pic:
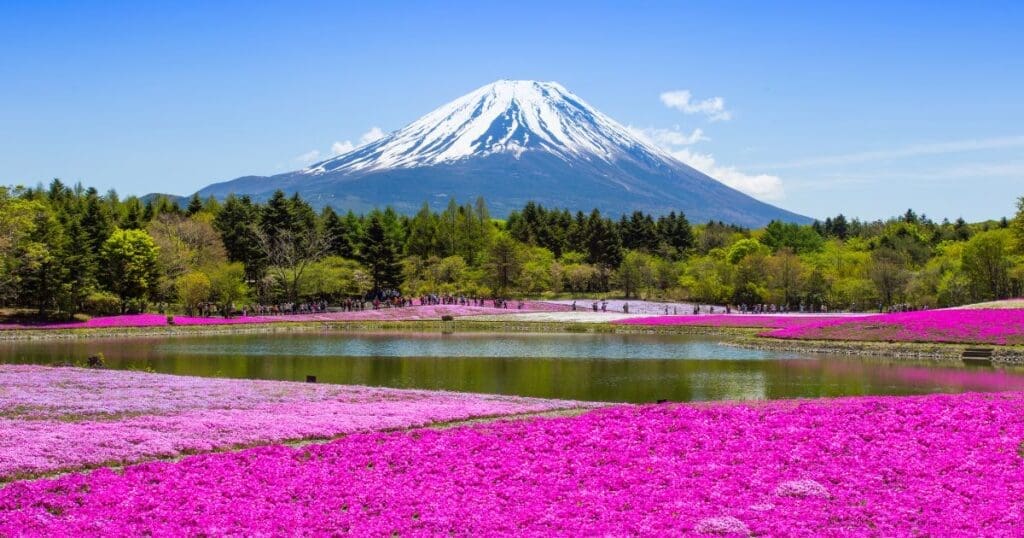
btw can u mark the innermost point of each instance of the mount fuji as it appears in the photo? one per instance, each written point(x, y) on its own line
point(512, 142)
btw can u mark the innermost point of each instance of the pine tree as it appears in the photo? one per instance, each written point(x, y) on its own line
point(380, 255)
point(195, 205)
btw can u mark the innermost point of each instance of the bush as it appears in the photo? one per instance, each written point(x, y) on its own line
point(170, 319)
point(96, 361)
point(101, 303)
point(447, 317)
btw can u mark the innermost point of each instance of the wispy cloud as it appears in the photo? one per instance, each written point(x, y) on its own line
point(760, 186)
point(668, 137)
point(308, 158)
point(915, 150)
point(682, 100)
point(344, 146)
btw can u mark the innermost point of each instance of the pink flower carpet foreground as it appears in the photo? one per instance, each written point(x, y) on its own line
point(409, 313)
point(733, 320)
point(67, 418)
point(968, 326)
point(941, 465)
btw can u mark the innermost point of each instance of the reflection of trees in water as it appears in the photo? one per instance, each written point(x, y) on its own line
point(750, 385)
point(384, 361)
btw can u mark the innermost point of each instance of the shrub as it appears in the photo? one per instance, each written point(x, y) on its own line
point(96, 361)
point(101, 304)
point(447, 317)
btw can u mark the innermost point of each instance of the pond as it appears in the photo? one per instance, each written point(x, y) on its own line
point(604, 367)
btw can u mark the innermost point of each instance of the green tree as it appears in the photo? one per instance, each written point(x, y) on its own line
point(635, 273)
point(194, 288)
point(986, 265)
point(380, 255)
point(889, 273)
point(227, 286)
point(41, 271)
point(129, 266)
point(237, 223)
point(423, 238)
point(503, 264)
point(1017, 225)
point(195, 205)
point(336, 278)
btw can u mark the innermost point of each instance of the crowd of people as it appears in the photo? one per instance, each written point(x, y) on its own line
point(281, 309)
point(462, 300)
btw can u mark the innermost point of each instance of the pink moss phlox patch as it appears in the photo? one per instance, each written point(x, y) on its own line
point(729, 320)
point(411, 313)
point(68, 418)
point(939, 465)
point(969, 326)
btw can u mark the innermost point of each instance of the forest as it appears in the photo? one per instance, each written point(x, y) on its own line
point(66, 250)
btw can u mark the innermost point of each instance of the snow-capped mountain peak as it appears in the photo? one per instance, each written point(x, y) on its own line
point(512, 142)
point(507, 116)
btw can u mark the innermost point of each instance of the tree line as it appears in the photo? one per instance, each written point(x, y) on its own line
point(69, 249)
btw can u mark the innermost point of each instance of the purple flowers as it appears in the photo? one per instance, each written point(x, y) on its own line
point(936, 465)
point(999, 327)
point(67, 418)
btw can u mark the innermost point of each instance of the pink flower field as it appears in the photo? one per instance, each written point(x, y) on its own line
point(732, 320)
point(940, 465)
point(967, 326)
point(412, 313)
point(68, 418)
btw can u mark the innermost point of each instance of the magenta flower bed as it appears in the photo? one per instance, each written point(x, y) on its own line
point(428, 312)
point(68, 418)
point(730, 320)
point(941, 465)
point(999, 327)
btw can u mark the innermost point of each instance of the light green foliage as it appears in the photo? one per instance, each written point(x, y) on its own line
point(1017, 225)
point(228, 289)
point(335, 278)
point(986, 264)
point(129, 266)
point(194, 288)
point(504, 264)
point(636, 273)
point(746, 247)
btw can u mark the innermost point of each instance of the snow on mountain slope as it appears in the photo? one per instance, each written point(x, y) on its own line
point(511, 142)
point(507, 116)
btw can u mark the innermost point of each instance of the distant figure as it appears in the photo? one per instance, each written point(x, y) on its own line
point(574, 306)
point(625, 308)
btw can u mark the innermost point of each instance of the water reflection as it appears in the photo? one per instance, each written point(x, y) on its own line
point(630, 368)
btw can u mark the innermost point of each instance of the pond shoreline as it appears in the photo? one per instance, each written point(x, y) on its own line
point(458, 325)
point(741, 337)
point(944, 352)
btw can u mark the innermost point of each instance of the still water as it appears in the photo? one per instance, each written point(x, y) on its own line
point(607, 367)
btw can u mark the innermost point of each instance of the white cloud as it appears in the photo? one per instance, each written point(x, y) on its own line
point(308, 158)
point(338, 148)
point(374, 134)
point(916, 150)
point(676, 143)
point(667, 138)
point(344, 146)
point(682, 100)
point(760, 186)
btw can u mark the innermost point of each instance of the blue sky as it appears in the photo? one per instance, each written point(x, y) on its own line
point(864, 108)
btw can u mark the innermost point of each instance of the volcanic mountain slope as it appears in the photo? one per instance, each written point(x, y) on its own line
point(513, 142)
